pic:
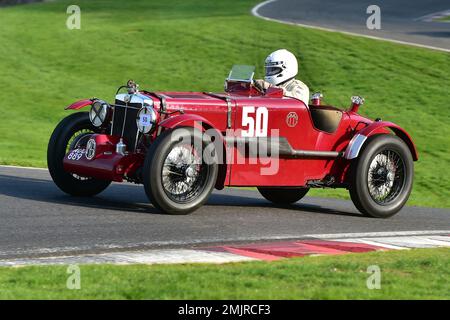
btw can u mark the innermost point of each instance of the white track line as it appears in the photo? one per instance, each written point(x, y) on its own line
point(435, 15)
point(170, 256)
point(374, 243)
point(136, 246)
point(409, 242)
point(27, 168)
point(392, 241)
point(260, 5)
point(378, 234)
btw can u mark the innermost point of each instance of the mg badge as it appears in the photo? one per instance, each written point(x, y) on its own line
point(127, 98)
point(292, 119)
point(90, 149)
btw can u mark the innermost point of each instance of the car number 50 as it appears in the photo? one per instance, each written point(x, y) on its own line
point(255, 121)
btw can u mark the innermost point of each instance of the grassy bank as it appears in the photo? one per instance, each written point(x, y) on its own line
point(190, 45)
point(415, 274)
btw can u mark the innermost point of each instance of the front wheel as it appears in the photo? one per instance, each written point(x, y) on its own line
point(71, 133)
point(382, 176)
point(180, 171)
point(283, 195)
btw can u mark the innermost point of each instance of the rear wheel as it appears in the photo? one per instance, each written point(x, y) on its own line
point(71, 133)
point(180, 171)
point(283, 195)
point(382, 176)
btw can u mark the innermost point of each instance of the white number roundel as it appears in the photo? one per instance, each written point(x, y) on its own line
point(256, 122)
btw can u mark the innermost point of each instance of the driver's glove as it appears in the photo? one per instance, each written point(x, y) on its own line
point(261, 84)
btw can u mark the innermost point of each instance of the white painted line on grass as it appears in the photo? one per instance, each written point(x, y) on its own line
point(259, 6)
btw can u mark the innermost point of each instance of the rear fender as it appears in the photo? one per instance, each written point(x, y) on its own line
point(358, 140)
point(80, 104)
point(200, 123)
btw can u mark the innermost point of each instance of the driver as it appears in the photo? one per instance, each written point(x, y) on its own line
point(281, 68)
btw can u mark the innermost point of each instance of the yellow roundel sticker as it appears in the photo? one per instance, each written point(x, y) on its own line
point(292, 119)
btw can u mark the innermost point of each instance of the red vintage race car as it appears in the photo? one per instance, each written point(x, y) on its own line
point(182, 145)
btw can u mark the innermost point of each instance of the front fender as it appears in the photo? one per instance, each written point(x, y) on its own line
point(358, 140)
point(80, 104)
point(186, 120)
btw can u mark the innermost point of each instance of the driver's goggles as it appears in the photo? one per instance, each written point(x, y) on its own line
point(271, 71)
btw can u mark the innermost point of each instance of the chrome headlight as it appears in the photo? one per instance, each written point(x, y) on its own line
point(146, 119)
point(99, 113)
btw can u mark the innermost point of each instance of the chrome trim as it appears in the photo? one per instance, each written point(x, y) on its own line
point(127, 98)
point(96, 107)
point(241, 80)
point(162, 101)
point(354, 146)
point(162, 110)
point(135, 98)
point(124, 121)
point(112, 121)
point(136, 141)
point(146, 111)
point(229, 112)
point(281, 145)
point(121, 147)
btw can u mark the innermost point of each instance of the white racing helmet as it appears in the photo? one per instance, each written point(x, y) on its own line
point(281, 65)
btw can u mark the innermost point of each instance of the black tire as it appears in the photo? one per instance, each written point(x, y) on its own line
point(57, 149)
point(283, 195)
point(158, 157)
point(398, 180)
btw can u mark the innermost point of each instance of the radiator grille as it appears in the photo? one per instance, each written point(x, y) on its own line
point(130, 131)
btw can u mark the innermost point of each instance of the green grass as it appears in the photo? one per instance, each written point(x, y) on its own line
point(191, 45)
point(415, 274)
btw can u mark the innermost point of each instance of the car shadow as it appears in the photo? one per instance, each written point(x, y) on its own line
point(46, 191)
point(243, 201)
point(118, 197)
point(434, 34)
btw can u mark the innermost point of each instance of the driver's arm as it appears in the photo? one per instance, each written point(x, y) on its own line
point(261, 84)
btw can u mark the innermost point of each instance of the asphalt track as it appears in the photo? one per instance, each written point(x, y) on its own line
point(401, 20)
point(38, 220)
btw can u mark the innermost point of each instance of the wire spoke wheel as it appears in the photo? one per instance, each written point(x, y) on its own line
point(180, 170)
point(183, 174)
point(381, 178)
point(386, 176)
point(72, 133)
